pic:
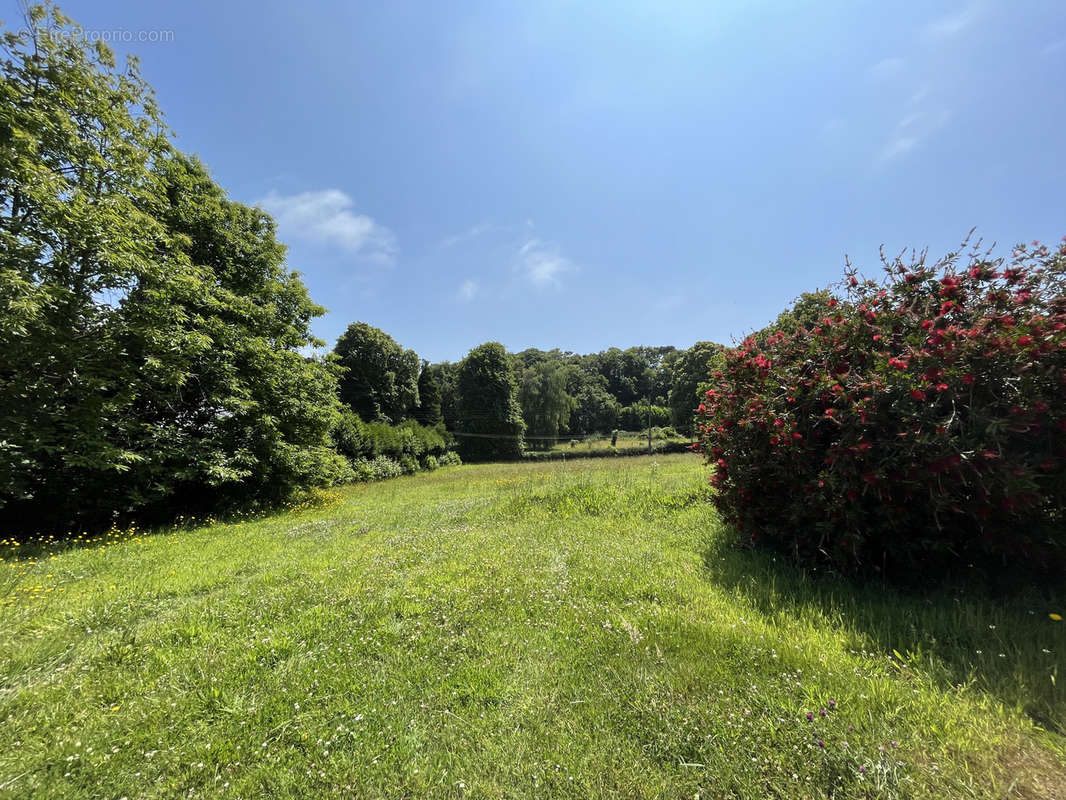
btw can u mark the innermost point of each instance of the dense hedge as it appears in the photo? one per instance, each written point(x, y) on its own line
point(377, 450)
point(382, 467)
point(921, 420)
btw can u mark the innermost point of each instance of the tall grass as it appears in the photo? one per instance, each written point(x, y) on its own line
point(519, 630)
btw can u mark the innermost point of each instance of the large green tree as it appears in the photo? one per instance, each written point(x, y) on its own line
point(595, 411)
point(691, 370)
point(546, 406)
point(380, 381)
point(633, 374)
point(77, 140)
point(429, 398)
point(237, 405)
point(446, 377)
point(490, 417)
point(150, 329)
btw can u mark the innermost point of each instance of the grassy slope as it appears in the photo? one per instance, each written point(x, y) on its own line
point(520, 630)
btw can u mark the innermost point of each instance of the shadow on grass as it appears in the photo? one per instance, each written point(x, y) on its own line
point(34, 546)
point(975, 631)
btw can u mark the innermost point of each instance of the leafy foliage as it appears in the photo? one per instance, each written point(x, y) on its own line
point(357, 439)
point(446, 377)
point(378, 468)
point(429, 411)
point(449, 459)
point(921, 420)
point(489, 413)
point(380, 381)
point(806, 311)
point(150, 327)
point(642, 415)
point(545, 404)
point(595, 410)
point(634, 373)
point(595, 387)
point(691, 369)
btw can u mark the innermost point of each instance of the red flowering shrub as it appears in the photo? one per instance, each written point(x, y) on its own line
point(922, 419)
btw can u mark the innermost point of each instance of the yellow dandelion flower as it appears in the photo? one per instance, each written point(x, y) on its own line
point(1056, 617)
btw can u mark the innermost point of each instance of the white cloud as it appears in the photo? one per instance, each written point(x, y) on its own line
point(540, 263)
point(953, 24)
point(920, 94)
point(886, 68)
point(1054, 47)
point(326, 216)
point(911, 131)
point(897, 146)
point(472, 232)
point(468, 290)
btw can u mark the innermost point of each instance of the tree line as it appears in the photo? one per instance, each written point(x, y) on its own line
point(532, 398)
point(155, 338)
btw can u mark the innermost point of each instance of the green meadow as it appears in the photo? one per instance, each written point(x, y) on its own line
point(602, 442)
point(581, 629)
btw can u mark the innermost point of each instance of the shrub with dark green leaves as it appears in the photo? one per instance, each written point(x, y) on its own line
point(377, 450)
point(376, 469)
point(350, 436)
point(384, 439)
point(420, 440)
point(920, 421)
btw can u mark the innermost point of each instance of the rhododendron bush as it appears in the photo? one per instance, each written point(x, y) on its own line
point(920, 421)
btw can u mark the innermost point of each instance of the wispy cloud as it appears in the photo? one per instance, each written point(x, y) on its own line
point(896, 147)
point(920, 94)
point(326, 216)
point(952, 25)
point(473, 232)
point(1051, 48)
point(530, 258)
point(540, 263)
point(887, 68)
point(468, 290)
point(910, 132)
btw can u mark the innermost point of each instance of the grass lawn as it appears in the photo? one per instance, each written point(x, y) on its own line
point(521, 630)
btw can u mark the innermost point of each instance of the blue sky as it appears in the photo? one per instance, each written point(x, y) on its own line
point(581, 175)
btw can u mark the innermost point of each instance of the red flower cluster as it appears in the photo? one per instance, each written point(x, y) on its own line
point(925, 416)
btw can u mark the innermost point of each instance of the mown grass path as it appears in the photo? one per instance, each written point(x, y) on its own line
point(520, 630)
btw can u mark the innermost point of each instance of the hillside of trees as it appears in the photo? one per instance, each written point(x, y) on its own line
point(528, 399)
